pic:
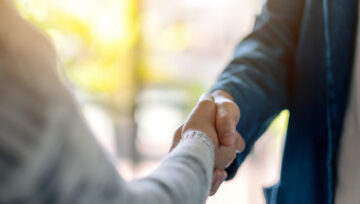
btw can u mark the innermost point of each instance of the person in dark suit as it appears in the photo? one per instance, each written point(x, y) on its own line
point(300, 56)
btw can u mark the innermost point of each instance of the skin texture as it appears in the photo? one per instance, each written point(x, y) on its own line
point(227, 142)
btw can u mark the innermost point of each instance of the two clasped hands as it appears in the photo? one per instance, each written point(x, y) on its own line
point(48, 145)
point(216, 114)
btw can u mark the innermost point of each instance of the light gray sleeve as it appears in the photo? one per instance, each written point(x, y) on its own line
point(184, 177)
point(48, 154)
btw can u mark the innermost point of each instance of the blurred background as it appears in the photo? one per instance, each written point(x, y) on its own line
point(137, 68)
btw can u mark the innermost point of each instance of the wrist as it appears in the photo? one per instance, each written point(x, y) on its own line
point(190, 135)
point(191, 132)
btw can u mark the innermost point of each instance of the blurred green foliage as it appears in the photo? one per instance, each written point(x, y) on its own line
point(96, 40)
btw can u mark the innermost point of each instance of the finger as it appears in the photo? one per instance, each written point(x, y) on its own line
point(218, 179)
point(225, 126)
point(224, 156)
point(204, 109)
point(203, 117)
point(206, 96)
point(240, 143)
point(176, 138)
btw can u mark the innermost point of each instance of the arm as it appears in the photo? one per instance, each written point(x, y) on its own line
point(47, 153)
point(259, 76)
point(184, 177)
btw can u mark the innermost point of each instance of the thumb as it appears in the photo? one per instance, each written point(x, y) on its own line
point(176, 138)
point(218, 178)
point(226, 126)
point(239, 143)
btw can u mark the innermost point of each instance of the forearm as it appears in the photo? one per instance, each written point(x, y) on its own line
point(259, 76)
point(66, 164)
point(48, 152)
point(184, 176)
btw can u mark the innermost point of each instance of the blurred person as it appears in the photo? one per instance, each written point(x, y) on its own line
point(303, 56)
point(48, 154)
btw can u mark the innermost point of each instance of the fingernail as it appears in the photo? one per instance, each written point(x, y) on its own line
point(229, 138)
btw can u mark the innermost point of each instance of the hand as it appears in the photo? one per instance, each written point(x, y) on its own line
point(227, 117)
point(202, 118)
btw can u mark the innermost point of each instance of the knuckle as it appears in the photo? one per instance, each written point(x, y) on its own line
point(229, 104)
point(206, 103)
point(232, 106)
point(229, 109)
point(225, 118)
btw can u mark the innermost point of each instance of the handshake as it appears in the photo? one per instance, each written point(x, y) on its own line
point(216, 115)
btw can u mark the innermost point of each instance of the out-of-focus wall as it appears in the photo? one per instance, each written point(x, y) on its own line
point(137, 68)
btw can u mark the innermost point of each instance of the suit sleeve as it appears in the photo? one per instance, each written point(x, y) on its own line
point(259, 75)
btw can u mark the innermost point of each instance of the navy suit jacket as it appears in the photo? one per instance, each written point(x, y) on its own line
point(299, 57)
